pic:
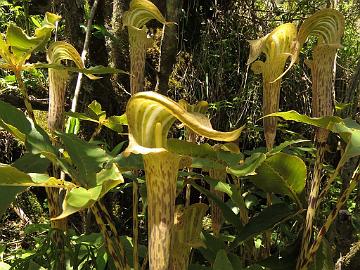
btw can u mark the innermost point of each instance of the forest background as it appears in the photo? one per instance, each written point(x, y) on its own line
point(202, 57)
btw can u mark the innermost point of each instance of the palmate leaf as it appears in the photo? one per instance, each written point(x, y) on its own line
point(150, 116)
point(16, 47)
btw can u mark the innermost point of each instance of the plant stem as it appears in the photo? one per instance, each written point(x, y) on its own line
point(161, 171)
point(113, 244)
point(331, 180)
point(310, 214)
point(135, 224)
point(96, 132)
point(25, 95)
point(330, 219)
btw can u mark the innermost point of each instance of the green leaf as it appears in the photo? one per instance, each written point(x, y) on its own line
point(229, 215)
point(96, 112)
point(72, 125)
point(249, 166)
point(213, 245)
point(323, 259)
point(283, 145)
point(235, 261)
point(21, 45)
point(349, 131)
point(10, 175)
point(231, 190)
point(116, 123)
point(30, 163)
point(266, 219)
point(15, 121)
point(19, 41)
point(81, 197)
point(131, 162)
point(283, 174)
point(37, 228)
point(7, 196)
point(185, 148)
point(82, 116)
point(204, 163)
point(222, 262)
point(87, 158)
point(326, 122)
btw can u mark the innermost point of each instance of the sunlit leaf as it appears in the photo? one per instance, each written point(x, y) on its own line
point(249, 166)
point(326, 122)
point(116, 123)
point(283, 174)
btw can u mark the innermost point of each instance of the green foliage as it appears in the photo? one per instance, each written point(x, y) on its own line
point(282, 174)
point(95, 170)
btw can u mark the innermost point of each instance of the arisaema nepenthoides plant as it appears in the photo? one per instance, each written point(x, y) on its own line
point(140, 12)
point(16, 48)
point(58, 52)
point(277, 46)
point(328, 26)
point(150, 116)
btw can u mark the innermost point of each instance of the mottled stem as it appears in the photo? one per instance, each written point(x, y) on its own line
point(329, 182)
point(312, 202)
point(216, 214)
point(322, 71)
point(135, 224)
point(330, 219)
point(112, 242)
point(139, 42)
point(161, 170)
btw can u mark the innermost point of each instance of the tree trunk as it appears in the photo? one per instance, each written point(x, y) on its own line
point(169, 44)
